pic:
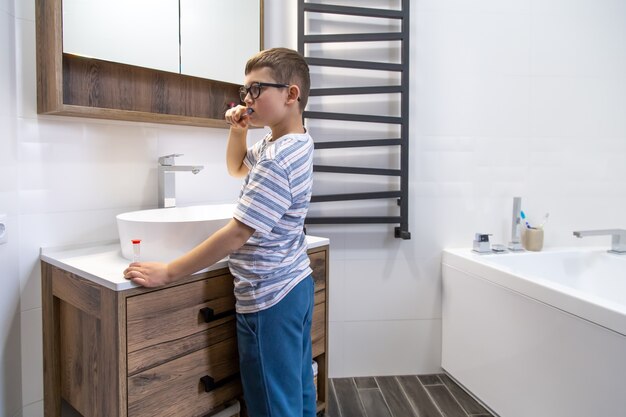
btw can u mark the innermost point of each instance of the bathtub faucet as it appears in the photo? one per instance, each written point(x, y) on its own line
point(516, 226)
point(618, 238)
point(167, 185)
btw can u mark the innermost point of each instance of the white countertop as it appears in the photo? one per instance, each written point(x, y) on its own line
point(103, 263)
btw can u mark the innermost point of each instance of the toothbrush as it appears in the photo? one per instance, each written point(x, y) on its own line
point(524, 218)
point(545, 219)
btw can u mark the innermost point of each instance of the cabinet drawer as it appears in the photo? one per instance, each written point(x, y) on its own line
point(177, 388)
point(154, 355)
point(174, 313)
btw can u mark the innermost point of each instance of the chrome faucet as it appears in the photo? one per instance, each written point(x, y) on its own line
point(618, 238)
point(167, 184)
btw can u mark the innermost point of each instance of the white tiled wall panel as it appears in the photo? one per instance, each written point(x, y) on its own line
point(395, 347)
point(10, 371)
point(32, 353)
point(8, 7)
point(32, 410)
point(507, 98)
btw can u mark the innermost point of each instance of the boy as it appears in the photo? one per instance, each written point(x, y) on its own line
point(265, 239)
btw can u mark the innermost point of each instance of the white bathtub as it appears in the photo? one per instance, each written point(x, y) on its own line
point(539, 334)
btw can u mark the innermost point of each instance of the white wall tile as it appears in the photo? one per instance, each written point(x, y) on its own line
point(285, 34)
point(493, 6)
point(371, 241)
point(32, 356)
point(25, 9)
point(10, 318)
point(336, 349)
point(10, 372)
point(33, 410)
point(8, 7)
point(398, 289)
point(391, 347)
point(578, 106)
point(591, 44)
point(578, 7)
point(337, 290)
point(8, 165)
point(7, 69)
point(464, 104)
point(84, 166)
point(473, 43)
point(26, 69)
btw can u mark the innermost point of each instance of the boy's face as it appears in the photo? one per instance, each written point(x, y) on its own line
point(270, 107)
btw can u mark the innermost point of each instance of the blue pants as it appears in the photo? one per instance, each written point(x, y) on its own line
point(275, 356)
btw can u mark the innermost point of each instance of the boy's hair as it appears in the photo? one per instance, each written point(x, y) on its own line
point(287, 66)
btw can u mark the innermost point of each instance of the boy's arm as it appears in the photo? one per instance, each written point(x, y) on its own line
point(236, 152)
point(219, 245)
point(237, 147)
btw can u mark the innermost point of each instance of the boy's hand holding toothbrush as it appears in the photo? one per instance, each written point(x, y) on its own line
point(238, 116)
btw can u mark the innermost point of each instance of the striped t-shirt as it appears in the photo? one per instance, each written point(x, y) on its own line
point(274, 201)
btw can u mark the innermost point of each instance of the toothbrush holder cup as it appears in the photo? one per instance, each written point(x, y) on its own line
point(532, 239)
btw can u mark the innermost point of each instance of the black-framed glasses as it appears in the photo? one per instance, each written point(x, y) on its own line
point(255, 89)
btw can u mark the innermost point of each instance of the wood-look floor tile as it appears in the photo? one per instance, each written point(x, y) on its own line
point(348, 398)
point(397, 401)
point(418, 397)
point(445, 401)
point(374, 403)
point(332, 408)
point(365, 382)
point(468, 403)
point(429, 379)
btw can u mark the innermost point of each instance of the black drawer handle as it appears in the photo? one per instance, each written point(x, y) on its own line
point(209, 314)
point(210, 384)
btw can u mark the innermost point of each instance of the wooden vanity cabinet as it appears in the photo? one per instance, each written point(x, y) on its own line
point(141, 352)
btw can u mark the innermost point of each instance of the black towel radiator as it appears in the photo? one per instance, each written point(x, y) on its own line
point(402, 194)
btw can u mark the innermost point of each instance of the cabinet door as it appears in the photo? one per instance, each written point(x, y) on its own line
point(137, 32)
point(217, 37)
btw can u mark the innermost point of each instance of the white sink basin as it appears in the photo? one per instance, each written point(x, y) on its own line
point(168, 233)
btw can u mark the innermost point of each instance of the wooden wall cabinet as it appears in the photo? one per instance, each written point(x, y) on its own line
point(141, 352)
point(72, 85)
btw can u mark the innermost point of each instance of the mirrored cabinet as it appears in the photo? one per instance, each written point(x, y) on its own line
point(122, 60)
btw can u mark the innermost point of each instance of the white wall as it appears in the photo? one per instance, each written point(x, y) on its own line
point(10, 373)
point(507, 98)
